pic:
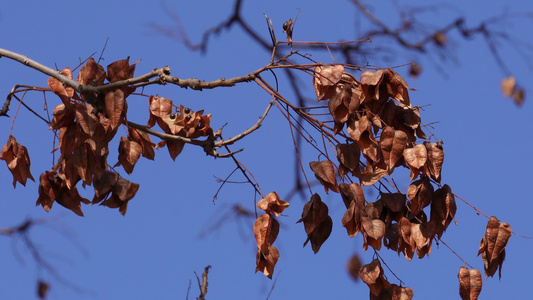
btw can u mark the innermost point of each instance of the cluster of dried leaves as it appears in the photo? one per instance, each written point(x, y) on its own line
point(380, 288)
point(86, 124)
point(384, 131)
point(266, 229)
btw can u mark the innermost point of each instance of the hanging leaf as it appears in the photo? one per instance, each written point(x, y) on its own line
point(492, 246)
point(392, 144)
point(129, 152)
point(470, 283)
point(353, 266)
point(317, 222)
point(325, 79)
point(266, 261)
point(348, 156)
point(443, 208)
point(325, 173)
point(115, 106)
point(91, 73)
point(64, 92)
point(272, 203)
point(18, 161)
point(415, 158)
point(435, 159)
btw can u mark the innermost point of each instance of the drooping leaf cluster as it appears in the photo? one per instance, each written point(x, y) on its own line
point(85, 125)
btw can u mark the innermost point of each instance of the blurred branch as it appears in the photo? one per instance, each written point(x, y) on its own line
point(203, 284)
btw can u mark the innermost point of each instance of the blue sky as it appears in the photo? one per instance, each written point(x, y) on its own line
point(155, 249)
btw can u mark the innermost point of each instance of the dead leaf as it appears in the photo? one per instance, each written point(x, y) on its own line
point(325, 173)
point(266, 229)
point(143, 139)
point(272, 203)
point(508, 86)
point(64, 92)
point(317, 222)
point(325, 79)
point(443, 208)
point(470, 283)
point(373, 232)
point(348, 156)
point(420, 195)
point(18, 161)
point(266, 261)
point(115, 105)
point(129, 152)
point(492, 246)
point(435, 159)
point(415, 158)
point(372, 275)
point(92, 73)
point(353, 266)
point(392, 143)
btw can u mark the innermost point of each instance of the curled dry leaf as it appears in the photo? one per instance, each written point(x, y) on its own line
point(115, 105)
point(348, 156)
point(325, 79)
point(443, 209)
point(63, 116)
point(361, 132)
point(317, 222)
point(415, 158)
point(353, 266)
point(325, 173)
point(396, 87)
point(143, 139)
point(129, 152)
point(266, 230)
point(123, 191)
point(352, 192)
point(373, 231)
point(92, 73)
point(57, 87)
point(508, 86)
point(420, 195)
point(272, 203)
point(470, 283)
point(372, 275)
point(53, 187)
point(18, 161)
point(492, 246)
point(265, 262)
point(392, 144)
point(435, 159)
point(370, 82)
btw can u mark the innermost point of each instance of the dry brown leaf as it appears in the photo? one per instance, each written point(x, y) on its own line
point(352, 219)
point(129, 152)
point(18, 161)
point(435, 159)
point(325, 173)
point(470, 283)
point(402, 293)
point(392, 144)
point(115, 105)
point(317, 222)
point(265, 262)
point(123, 191)
point(348, 156)
point(266, 230)
point(272, 203)
point(325, 79)
point(353, 266)
point(57, 87)
point(508, 86)
point(372, 275)
point(420, 195)
point(91, 73)
point(351, 192)
point(492, 246)
point(443, 208)
point(395, 202)
point(397, 87)
point(415, 158)
point(144, 140)
point(373, 232)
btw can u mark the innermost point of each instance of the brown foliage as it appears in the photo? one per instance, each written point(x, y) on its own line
point(17, 160)
point(470, 283)
point(492, 246)
point(266, 229)
point(317, 223)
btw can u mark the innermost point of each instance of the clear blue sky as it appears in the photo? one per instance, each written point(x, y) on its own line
point(153, 252)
